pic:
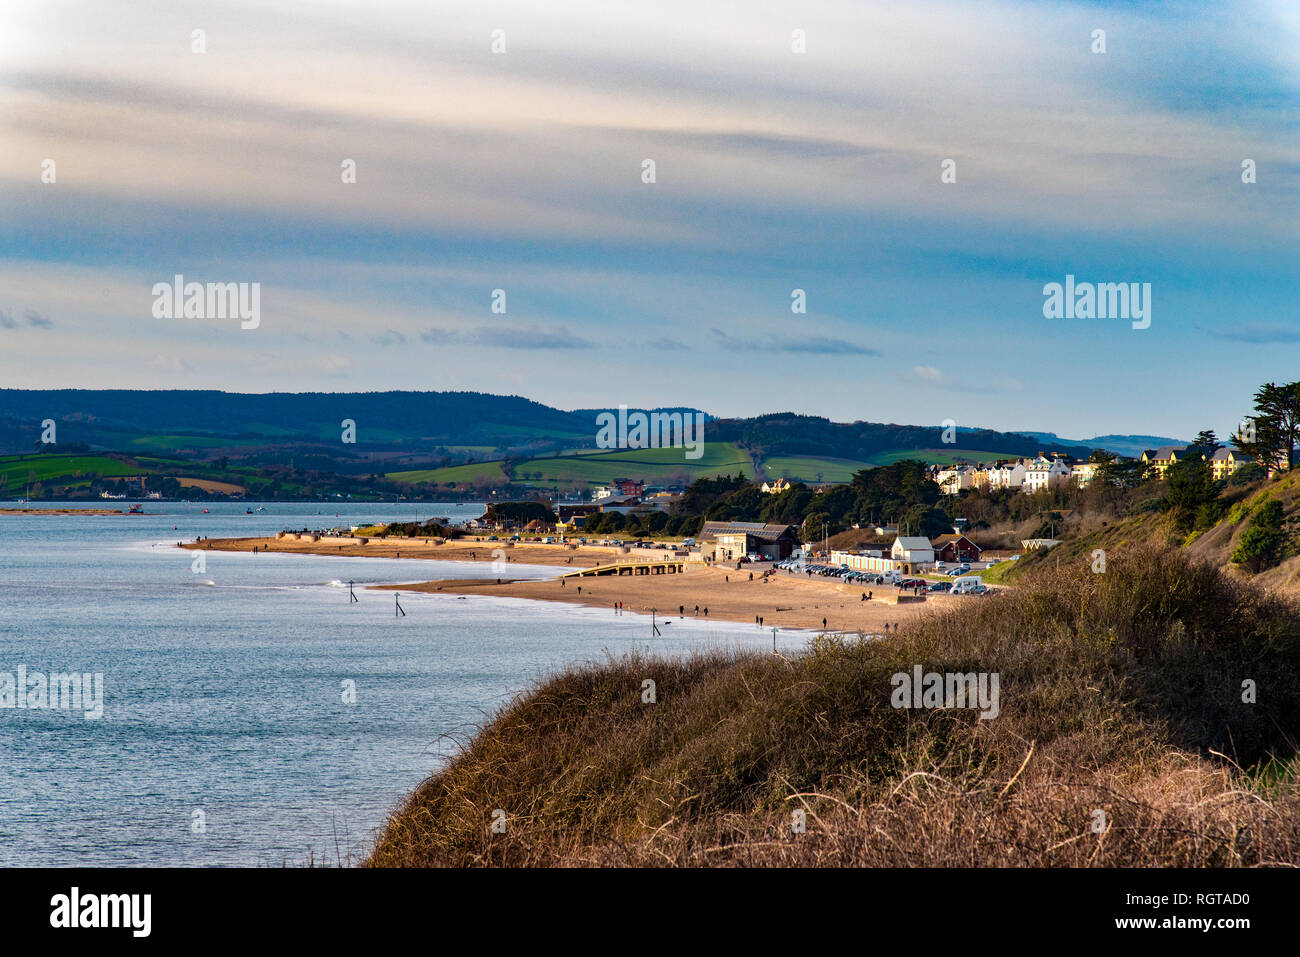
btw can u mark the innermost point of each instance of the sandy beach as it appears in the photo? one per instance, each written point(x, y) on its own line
point(460, 550)
point(781, 600)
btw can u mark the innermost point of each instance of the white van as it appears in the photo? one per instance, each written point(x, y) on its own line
point(968, 585)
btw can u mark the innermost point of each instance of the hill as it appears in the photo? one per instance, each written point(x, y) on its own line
point(1131, 446)
point(1120, 738)
point(1214, 545)
point(424, 431)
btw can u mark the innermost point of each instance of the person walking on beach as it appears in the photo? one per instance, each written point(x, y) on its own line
point(760, 621)
point(706, 611)
point(681, 611)
point(823, 623)
point(697, 611)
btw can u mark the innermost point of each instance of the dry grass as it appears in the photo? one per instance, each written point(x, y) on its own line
point(1120, 693)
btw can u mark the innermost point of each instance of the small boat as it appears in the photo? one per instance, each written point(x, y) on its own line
point(136, 509)
point(248, 511)
point(205, 511)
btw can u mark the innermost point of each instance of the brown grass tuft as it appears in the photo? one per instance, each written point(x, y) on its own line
point(1121, 693)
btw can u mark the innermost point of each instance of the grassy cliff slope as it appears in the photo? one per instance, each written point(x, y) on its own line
point(1122, 739)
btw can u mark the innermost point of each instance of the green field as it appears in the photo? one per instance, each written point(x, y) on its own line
point(648, 464)
point(937, 456)
point(657, 465)
point(594, 466)
point(455, 473)
point(803, 469)
point(16, 473)
point(170, 443)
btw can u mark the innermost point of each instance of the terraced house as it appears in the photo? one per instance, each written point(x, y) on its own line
point(1043, 473)
point(1226, 461)
point(1159, 460)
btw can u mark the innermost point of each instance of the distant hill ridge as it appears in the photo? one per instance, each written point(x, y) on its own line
point(407, 421)
point(1129, 445)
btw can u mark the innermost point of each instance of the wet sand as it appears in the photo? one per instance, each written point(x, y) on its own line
point(461, 550)
point(782, 600)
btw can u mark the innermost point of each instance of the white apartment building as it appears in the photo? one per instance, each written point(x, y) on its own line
point(1084, 472)
point(1011, 475)
point(1043, 473)
point(955, 478)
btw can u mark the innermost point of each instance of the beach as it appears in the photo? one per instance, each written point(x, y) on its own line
point(781, 600)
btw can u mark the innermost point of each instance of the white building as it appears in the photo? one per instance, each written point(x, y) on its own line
point(1007, 475)
point(1044, 473)
point(1084, 472)
point(914, 549)
point(955, 478)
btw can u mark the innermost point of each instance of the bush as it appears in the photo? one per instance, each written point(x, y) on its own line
point(1263, 544)
point(1117, 692)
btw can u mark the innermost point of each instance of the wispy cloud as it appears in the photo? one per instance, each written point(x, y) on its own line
point(34, 319)
point(794, 343)
point(1258, 332)
point(508, 337)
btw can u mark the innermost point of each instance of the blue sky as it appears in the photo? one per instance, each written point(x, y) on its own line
point(774, 171)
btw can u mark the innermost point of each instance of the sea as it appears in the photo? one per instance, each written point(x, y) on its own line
point(252, 713)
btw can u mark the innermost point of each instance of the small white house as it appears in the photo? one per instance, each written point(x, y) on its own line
point(914, 549)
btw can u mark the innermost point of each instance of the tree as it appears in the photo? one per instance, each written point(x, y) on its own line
point(1190, 494)
point(816, 526)
point(1206, 441)
point(925, 520)
point(1270, 436)
point(1262, 544)
point(1123, 475)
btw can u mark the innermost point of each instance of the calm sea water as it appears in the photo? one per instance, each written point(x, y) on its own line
point(223, 690)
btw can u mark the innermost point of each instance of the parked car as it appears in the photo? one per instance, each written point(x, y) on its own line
point(940, 586)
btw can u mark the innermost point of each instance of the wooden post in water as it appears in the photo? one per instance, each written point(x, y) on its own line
point(397, 607)
point(352, 596)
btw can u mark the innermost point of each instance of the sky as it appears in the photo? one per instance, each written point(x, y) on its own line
point(796, 146)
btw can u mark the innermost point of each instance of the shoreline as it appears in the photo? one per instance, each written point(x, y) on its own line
point(781, 600)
